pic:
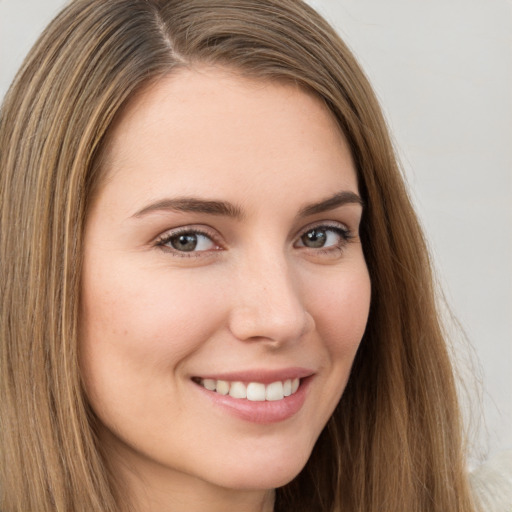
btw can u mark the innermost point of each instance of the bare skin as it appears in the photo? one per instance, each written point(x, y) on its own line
point(222, 248)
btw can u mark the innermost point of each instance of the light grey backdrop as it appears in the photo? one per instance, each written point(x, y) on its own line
point(443, 72)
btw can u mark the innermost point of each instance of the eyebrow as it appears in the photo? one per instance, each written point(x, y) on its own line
point(331, 203)
point(195, 205)
point(227, 209)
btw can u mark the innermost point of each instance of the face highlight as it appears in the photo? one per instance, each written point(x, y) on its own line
point(225, 291)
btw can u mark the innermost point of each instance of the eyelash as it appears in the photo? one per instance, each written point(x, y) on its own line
point(164, 240)
point(343, 232)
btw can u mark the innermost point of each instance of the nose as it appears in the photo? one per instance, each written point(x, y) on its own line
point(268, 303)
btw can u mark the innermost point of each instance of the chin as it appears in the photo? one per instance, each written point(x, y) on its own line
point(262, 473)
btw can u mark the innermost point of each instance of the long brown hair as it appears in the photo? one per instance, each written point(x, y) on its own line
point(393, 443)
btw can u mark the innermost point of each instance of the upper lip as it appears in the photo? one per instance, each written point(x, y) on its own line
point(263, 375)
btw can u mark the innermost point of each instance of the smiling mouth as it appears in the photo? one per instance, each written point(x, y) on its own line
point(253, 391)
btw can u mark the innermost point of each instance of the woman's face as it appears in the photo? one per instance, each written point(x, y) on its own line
point(222, 268)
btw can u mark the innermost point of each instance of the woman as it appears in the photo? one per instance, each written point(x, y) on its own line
point(196, 196)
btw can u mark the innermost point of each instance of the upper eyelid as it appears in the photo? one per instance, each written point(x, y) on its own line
point(209, 231)
point(201, 230)
point(325, 224)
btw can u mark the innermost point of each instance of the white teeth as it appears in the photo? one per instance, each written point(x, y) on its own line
point(210, 384)
point(238, 390)
point(274, 391)
point(287, 387)
point(254, 391)
point(222, 387)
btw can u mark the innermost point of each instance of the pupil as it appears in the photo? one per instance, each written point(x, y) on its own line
point(314, 238)
point(185, 242)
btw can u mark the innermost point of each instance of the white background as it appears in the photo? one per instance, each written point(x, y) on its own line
point(443, 72)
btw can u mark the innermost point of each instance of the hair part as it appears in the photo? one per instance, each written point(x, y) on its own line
point(394, 441)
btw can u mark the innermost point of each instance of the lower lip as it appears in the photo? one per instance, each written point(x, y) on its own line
point(264, 412)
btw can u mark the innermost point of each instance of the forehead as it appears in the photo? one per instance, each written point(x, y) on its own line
point(200, 129)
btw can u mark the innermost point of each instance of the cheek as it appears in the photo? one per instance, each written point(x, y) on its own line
point(138, 325)
point(341, 311)
point(147, 307)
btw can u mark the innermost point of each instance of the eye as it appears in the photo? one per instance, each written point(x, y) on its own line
point(187, 241)
point(324, 237)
